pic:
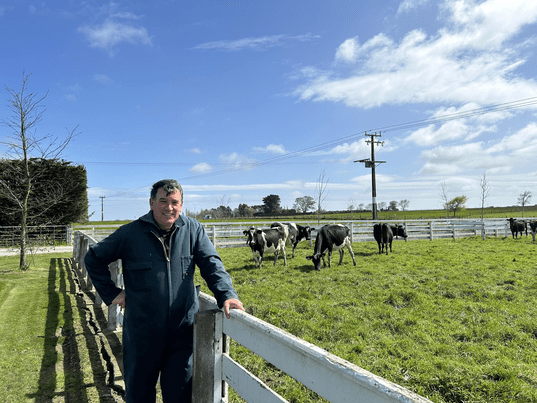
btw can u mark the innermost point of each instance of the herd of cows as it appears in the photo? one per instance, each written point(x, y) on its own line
point(335, 237)
point(332, 237)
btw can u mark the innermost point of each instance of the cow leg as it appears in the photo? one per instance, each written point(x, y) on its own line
point(341, 251)
point(285, 256)
point(349, 247)
point(390, 246)
point(275, 258)
point(329, 258)
point(254, 253)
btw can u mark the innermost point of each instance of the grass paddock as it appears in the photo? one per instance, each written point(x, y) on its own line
point(452, 320)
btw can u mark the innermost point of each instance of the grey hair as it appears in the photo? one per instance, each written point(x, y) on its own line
point(168, 185)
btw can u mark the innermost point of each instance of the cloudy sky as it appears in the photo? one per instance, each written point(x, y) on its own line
point(242, 99)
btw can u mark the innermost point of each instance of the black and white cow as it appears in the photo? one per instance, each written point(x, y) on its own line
point(330, 238)
point(517, 226)
point(296, 232)
point(384, 236)
point(533, 229)
point(266, 240)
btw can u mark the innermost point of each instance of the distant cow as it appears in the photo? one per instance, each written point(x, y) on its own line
point(399, 231)
point(384, 236)
point(267, 240)
point(330, 238)
point(517, 226)
point(533, 229)
point(296, 232)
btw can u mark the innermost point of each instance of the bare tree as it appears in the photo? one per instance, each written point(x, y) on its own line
point(444, 196)
point(524, 199)
point(320, 193)
point(485, 192)
point(23, 145)
point(351, 207)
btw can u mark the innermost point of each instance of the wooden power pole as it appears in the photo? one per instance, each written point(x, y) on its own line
point(371, 163)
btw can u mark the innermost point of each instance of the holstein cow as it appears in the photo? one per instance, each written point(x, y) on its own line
point(330, 238)
point(296, 232)
point(517, 226)
point(533, 229)
point(384, 236)
point(266, 240)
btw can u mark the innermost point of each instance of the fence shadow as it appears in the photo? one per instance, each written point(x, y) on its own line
point(76, 338)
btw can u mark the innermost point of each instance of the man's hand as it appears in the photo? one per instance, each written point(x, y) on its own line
point(232, 303)
point(120, 299)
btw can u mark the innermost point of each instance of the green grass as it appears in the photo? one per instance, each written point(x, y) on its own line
point(48, 352)
point(453, 321)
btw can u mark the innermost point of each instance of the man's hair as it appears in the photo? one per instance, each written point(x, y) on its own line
point(168, 185)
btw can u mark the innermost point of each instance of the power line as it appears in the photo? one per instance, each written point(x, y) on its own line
point(353, 137)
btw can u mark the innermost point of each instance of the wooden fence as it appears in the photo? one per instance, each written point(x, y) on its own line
point(331, 377)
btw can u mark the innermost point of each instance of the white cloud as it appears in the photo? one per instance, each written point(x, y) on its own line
point(103, 79)
point(348, 50)
point(201, 168)
point(237, 161)
point(472, 59)
point(254, 43)
point(111, 33)
point(409, 5)
point(272, 148)
point(195, 150)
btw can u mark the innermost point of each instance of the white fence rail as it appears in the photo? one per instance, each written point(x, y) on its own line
point(329, 376)
point(230, 235)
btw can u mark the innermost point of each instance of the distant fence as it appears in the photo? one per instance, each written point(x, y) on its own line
point(41, 235)
point(230, 234)
point(331, 377)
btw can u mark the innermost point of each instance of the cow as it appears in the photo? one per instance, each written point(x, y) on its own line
point(533, 229)
point(296, 232)
point(399, 231)
point(330, 238)
point(517, 226)
point(384, 236)
point(266, 240)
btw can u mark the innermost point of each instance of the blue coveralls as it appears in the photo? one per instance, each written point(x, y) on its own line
point(161, 300)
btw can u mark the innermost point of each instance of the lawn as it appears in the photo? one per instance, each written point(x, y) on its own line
point(49, 350)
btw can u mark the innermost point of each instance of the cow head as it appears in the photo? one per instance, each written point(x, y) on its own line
point(249, 233)
point(316, 259)
point(400, 231)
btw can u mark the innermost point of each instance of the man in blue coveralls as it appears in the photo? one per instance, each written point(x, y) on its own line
point(159, 253)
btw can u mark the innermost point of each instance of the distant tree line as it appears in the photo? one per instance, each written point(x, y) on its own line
point(303, 205)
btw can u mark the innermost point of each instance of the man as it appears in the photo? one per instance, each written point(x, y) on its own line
point(159, 252)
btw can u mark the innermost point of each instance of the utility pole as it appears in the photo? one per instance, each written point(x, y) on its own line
point(371, 163)
point(102, 207)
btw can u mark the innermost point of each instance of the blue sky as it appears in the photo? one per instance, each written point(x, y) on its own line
point(242, 99)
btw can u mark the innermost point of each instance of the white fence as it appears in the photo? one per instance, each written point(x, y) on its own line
point(329, 376)
point(229, 235)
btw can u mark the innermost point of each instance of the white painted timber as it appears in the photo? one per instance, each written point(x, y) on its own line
point(246, 384)
point(331, 377)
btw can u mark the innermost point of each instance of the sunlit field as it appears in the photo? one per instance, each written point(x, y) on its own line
point(453, 321)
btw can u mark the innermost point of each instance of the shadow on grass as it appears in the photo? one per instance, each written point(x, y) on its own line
point(74, 388)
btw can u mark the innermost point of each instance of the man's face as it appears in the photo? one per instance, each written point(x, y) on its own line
point(166, 209)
